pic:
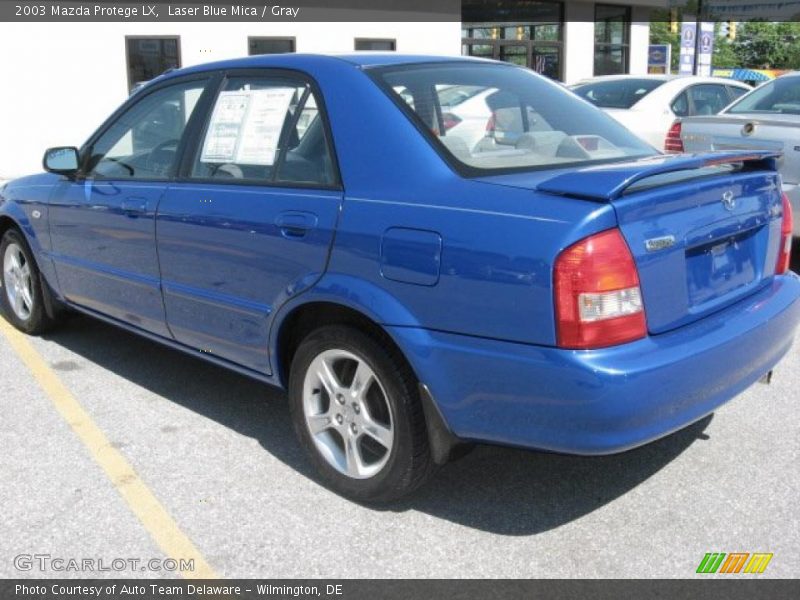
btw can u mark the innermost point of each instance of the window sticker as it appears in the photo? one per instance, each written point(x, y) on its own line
point(223, 131)
point(246, 126)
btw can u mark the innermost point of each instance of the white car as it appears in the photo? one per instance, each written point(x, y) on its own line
point(649, 104)
point(483, 119)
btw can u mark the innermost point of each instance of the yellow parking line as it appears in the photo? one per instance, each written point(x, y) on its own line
point(152, 515)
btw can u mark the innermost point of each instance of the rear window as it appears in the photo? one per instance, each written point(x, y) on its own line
point(500, 117)
point(617, 93)
point(780, 96)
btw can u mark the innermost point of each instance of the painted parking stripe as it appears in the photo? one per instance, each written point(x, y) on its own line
point(150, 512)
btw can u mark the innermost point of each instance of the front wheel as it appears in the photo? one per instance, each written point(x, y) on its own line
point(22, 297)
point(356, 410)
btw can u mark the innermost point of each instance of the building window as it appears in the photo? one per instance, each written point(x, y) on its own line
point(269, 45)
point(149, 57)
point(374, 44)
point(611, 39)
point(528, 33)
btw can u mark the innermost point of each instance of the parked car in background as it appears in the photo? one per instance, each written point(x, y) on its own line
point(481, 118)
point(648, 105)
point(310, 221)
point(768, 118)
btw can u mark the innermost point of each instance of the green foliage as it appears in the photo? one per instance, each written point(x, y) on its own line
point(768, 45)
point(758, 45)
point(724, 54)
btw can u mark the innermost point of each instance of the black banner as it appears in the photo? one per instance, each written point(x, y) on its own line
point(233, 11)
point(488, 11)
point(737, 588)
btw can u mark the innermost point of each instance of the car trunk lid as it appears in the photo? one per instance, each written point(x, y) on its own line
point(727, 132)
point(704, 230)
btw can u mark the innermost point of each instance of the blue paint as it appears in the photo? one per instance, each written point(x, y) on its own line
point(411, 255)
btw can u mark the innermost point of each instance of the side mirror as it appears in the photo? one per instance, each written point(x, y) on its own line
point(63, 160)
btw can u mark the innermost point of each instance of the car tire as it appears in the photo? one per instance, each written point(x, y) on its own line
point(356, 409)
point(21, 293)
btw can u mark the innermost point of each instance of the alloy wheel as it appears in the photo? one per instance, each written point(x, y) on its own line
point(18, 282)
point(347, 414)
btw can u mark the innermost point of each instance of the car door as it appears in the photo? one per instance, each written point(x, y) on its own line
point(250, 222)
point(102, 224)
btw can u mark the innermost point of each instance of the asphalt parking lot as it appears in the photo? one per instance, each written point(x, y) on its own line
point(216, 453)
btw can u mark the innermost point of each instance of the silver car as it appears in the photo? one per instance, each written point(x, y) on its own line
point(768, 118)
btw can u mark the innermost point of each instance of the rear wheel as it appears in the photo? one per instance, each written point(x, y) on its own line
point(22, 297)
point(356, 409)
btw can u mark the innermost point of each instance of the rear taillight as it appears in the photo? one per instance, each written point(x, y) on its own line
point(491, 124)
point(787, 225)
point(673, 141)
point(449, 120)
point(597, 295)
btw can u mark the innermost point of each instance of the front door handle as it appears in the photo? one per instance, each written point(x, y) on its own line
point(295, 224)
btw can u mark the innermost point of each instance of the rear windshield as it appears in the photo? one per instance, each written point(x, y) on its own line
point(780, 96)
point(501, 117)
point(616, 93)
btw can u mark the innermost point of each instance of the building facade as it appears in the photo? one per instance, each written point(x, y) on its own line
point(567, 40)
point(62, 79)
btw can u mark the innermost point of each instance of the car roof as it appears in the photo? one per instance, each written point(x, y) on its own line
point(675, 78)
point(628, 76)
point(302, 60)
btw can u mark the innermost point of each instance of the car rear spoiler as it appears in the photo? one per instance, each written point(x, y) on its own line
point(609, 182)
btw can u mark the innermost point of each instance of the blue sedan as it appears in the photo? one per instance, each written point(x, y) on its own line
point(424, 252)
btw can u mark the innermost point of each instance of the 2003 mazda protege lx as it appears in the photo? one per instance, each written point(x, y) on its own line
point(425, 252)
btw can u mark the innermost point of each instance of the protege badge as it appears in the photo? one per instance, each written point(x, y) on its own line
point(659, 243)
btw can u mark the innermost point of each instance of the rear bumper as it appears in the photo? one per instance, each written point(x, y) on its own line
point(610, 400)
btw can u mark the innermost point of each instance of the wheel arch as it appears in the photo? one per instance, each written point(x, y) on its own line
point(305, 317)
point(342, 299)
point(50, 297)
point(14, 217)
point(7, 223)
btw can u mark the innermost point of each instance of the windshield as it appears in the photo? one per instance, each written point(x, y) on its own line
point(506, 117)
point(780, 96)
point(616, 93)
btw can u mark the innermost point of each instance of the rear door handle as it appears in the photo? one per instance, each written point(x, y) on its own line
point(134, 207)
point(295, 224)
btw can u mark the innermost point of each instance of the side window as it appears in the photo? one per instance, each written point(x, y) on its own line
point(735, 92)
point(265, 129)
point(143, 142)
point(680, 106)
point(708, 99)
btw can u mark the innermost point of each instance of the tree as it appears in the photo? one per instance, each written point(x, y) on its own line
point(724, 52)
point(762, 45)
